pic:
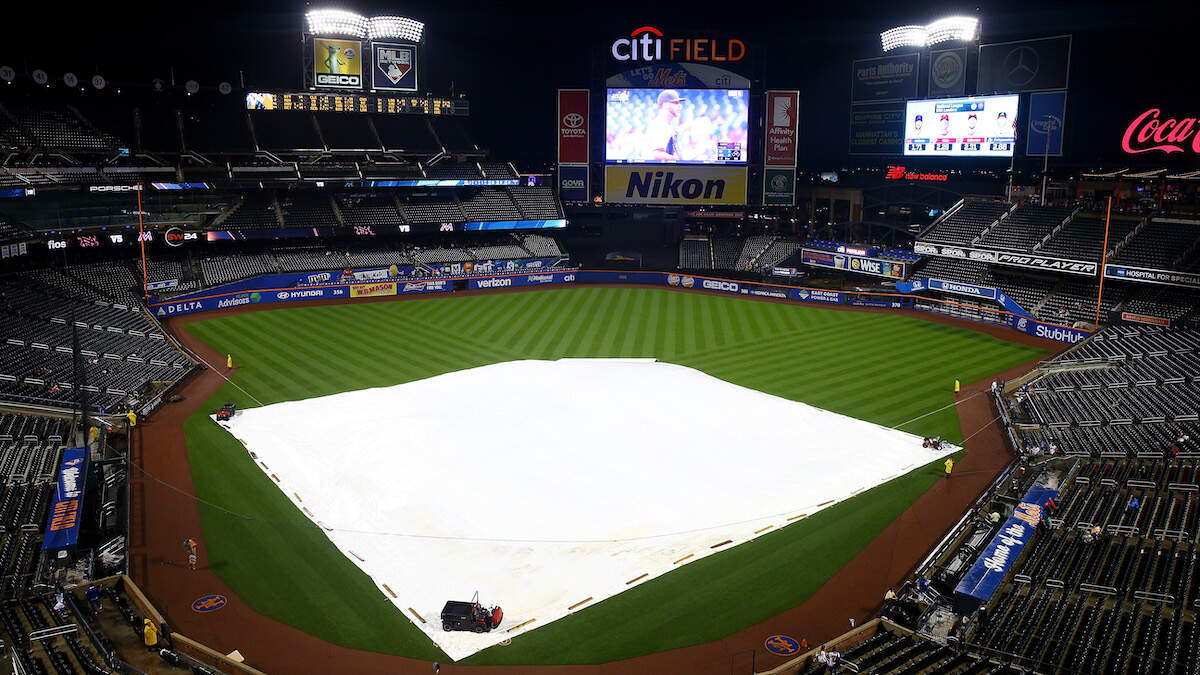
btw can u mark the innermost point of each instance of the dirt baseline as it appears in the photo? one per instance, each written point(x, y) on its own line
point(163, 511)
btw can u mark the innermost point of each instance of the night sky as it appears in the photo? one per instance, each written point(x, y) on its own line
point(510, 57)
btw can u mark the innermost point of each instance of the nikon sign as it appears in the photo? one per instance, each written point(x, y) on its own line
point(659, 184)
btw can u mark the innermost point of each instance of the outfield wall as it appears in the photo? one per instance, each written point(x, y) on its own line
point(223, 297)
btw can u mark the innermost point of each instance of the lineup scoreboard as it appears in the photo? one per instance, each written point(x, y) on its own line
point(983, 126)
point(359, 103)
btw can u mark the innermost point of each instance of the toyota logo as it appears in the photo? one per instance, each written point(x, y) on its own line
point(1021, 65)
point(572, 120)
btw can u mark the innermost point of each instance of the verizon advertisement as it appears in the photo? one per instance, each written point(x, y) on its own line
point(573, 126)
point(783, 126)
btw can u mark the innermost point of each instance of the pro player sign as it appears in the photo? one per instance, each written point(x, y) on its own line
point(573, 126)
point(783, 123)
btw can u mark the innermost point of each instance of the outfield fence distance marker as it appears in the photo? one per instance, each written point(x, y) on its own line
point(683, 558)
point(523, 623)
point(760, 531)
point(642, 576)
point(393, 594)
point(416, 615)
point(581, 602)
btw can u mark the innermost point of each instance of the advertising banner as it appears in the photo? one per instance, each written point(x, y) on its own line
point(426, 286)
point(816, 295)
point(779, 187)
point(1026, 65)
point(337, 64)
point(522, 280)
point(573, 183)
point(1049, 331)
point(1142, 318)
point(372, 290)
point(663, 75)
point(885, 78)
point(1030, 261)
point(573, 106)
point(66, 511)
point(962, 289)
point(394, 66)
point(162, 285)
point(1047, 115)
point(853, 263)
point(678, 184)
point(948, 72)
point(998, 558)
point(208, 302)
point(783, 128)
point(1149, 276)
point(877, 129)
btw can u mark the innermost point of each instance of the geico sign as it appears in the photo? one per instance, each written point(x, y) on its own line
point(339, 80)
point(714, 285)
point(646, 44)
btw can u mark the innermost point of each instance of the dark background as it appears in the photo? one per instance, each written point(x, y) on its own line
point(510, 57)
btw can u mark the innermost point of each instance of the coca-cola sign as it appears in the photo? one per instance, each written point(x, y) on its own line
point(1148, 132)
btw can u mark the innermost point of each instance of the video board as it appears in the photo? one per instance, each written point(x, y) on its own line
point(982, 126)
point(676, 126)
point(362, 103)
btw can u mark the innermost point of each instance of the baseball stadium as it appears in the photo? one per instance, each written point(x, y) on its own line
point(682, 356)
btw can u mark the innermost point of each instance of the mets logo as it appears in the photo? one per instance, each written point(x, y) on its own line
point(210, 603)
point(783, 645)
point(673, 279)
point(1021, 323)
point(688, 282)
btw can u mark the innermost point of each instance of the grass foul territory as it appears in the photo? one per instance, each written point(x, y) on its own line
point(882, 368)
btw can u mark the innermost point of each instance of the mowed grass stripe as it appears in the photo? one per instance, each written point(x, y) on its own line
point(873, 366)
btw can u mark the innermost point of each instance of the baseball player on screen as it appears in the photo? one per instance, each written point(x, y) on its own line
point(662, 136)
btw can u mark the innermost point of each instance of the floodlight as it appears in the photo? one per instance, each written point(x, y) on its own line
point(903, 36)
point(380, 27)
point(336, 22)
point(963, 28)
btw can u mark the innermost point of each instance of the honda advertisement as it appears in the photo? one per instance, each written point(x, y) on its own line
point(573, 126)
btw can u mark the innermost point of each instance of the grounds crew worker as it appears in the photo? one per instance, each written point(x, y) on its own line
point(132, 417)
point(949, 466)
point(149, 633)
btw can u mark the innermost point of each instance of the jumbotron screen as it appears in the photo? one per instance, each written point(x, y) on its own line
point(676, 126)
point(982, 126)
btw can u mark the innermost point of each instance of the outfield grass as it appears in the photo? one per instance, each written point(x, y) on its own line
point(883, 368)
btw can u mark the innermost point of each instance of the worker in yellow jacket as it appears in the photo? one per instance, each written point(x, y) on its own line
point(949, 466)
point(149, 633)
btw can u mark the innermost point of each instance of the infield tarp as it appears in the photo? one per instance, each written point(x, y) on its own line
point(984, 577)
point(62, 529)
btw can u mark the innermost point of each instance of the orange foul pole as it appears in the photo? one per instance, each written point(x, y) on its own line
point(1103, 259)
point(142, 241)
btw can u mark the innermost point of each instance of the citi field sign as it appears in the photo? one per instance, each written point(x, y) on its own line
point(648, 44)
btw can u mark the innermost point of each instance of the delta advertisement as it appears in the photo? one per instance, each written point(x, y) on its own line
point(676, 184)
point(337, 64)
point(573, 126)
point(62, 529)
point(995, 562)
point(853, 263)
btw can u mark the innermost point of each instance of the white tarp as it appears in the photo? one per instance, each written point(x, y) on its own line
point(543, 483)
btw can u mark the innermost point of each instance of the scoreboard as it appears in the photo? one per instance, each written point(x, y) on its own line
point(982, 126)
point(358, 103)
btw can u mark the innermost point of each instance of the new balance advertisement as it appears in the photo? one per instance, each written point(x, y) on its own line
point(678, 184)
point(779, 187)
point(573, 183)
point(853, 263)
point(573, 126)
point(783, 128)
point(337, 64)
point(1027, 65)
point(886, 78)
point(66, 511)
point(877, 129)
point(394, 67)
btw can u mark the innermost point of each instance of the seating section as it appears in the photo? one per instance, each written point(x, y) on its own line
point(755, 246)
point(777, 252)
point(541, 246)
point(537, 203)
point(257, 211)
point(307, 210)
point(223, 270)
point(1083, 237)
point(1160, 244)
point(491, 204)
point(58, 128)
point(726, 252)
point(967, 223)
point(373, 212)
point(431, 210)
point(695, 254)
point(953, 269)
point(309, 260)
point(1025, 227)
point(497, 170)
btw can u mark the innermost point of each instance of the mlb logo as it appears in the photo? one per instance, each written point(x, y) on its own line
point(395, 67)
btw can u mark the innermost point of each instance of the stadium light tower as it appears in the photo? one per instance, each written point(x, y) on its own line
point(394, 27)
point(949, 29)
point(336, 22)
